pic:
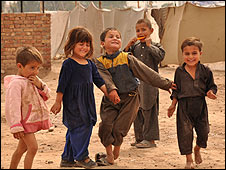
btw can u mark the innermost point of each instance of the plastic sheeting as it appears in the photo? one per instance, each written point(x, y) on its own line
point(208, 24)
point(174, 25)
point(95, 20)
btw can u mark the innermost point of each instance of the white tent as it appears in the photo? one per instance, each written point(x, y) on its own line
point(95, 20)
point(174, 25)
point(189, 20)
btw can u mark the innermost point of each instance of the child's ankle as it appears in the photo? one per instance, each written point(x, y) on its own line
point(189, 158)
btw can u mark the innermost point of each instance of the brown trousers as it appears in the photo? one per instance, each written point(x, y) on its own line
point(116, 120)
point(192, 113)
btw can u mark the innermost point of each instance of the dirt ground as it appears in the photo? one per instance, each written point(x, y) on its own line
point(165, 156)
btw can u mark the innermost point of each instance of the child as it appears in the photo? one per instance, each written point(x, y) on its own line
point(146, 127)
point(26, 110)
point(119, 70)
point(194, 81)
point(75, 89)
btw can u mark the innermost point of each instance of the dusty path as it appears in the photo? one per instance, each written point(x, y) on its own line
point(165, 156)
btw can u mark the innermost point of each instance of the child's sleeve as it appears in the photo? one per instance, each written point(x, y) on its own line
point(210, 83)
point(157, 52)
point(64, 77)
point(97, 79)
point(13, 107)
point(148, 75)
point(45, 92)
point(177, 82)
point(105, 75)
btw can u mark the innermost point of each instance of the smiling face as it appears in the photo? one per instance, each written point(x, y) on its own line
point(81, 49)
point(191, 55)
point(142, 30)
point(112, 41)
point(30, 69)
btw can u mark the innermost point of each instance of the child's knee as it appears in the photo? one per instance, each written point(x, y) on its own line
point(33, 149)
point(21, 150)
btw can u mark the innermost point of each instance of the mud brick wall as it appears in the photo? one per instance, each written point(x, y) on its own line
point(21, 29)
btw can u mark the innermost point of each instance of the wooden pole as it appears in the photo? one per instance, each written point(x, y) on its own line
point(150, 4)
point(100, 4)
point(138, 5)
point(21, 6)
point(76, 3)
point(42, 9)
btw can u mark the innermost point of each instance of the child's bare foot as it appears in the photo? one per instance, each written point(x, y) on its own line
point(110, 159)
point(116, 152)
point(110, 155)
point(198, 158)
point(189, 165)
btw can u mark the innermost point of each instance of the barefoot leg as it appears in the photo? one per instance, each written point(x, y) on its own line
point(110, 156)
point(198, 158)
point(189, 162)
point(116, 152)
point(189, 165)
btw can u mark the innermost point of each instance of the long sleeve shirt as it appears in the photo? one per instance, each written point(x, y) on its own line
point(150, 56)
point(137, 68)
point(189, 87)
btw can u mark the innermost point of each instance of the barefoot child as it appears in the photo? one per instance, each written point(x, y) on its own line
point(194, 81)
point(26, 110)
point(75, 89)
point(119, 70)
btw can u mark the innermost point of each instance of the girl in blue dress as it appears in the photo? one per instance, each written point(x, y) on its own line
point(75, 90)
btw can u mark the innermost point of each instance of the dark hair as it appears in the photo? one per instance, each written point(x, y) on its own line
point(104, 33)
point(25, 55)
point(192, 41)
point(78, 34)
point(146, 21)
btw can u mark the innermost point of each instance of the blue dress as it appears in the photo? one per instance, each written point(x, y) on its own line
point(76, 84)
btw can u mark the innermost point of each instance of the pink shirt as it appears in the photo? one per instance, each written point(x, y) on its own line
point(25, 107)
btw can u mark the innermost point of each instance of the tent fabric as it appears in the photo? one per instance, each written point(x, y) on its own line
point(171, 26)
point(208, 24)
point(59, 22)
point(160, 15)
point(155, 35)
point(96, 20)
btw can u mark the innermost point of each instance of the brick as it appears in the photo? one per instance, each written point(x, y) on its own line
point(17, 29)
point(28, 22)
point(28, 29)
point(18, 22)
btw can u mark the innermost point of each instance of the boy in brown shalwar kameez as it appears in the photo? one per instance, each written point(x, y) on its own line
point(119, 70)
point(194, 81)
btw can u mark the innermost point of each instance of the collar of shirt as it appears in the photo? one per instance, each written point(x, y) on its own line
point(183, 65)
point(112, 56)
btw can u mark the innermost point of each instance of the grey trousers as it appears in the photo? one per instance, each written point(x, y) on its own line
point(146, 125)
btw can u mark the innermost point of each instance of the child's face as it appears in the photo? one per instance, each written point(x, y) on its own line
point(81, 49)
point(142, 30)
point(30, 69)
point(191, 55)
point(112, 42)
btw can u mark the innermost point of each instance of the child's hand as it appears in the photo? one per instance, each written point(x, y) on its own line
point(173, 86)
point(34, 80)
point(148, 41)
point(131, 42)
point(18, 135)
point(211, 95)
point(113, 96)
point(171, 109)
point(56, 108)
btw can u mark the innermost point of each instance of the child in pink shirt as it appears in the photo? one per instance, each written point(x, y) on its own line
point(25, 108)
